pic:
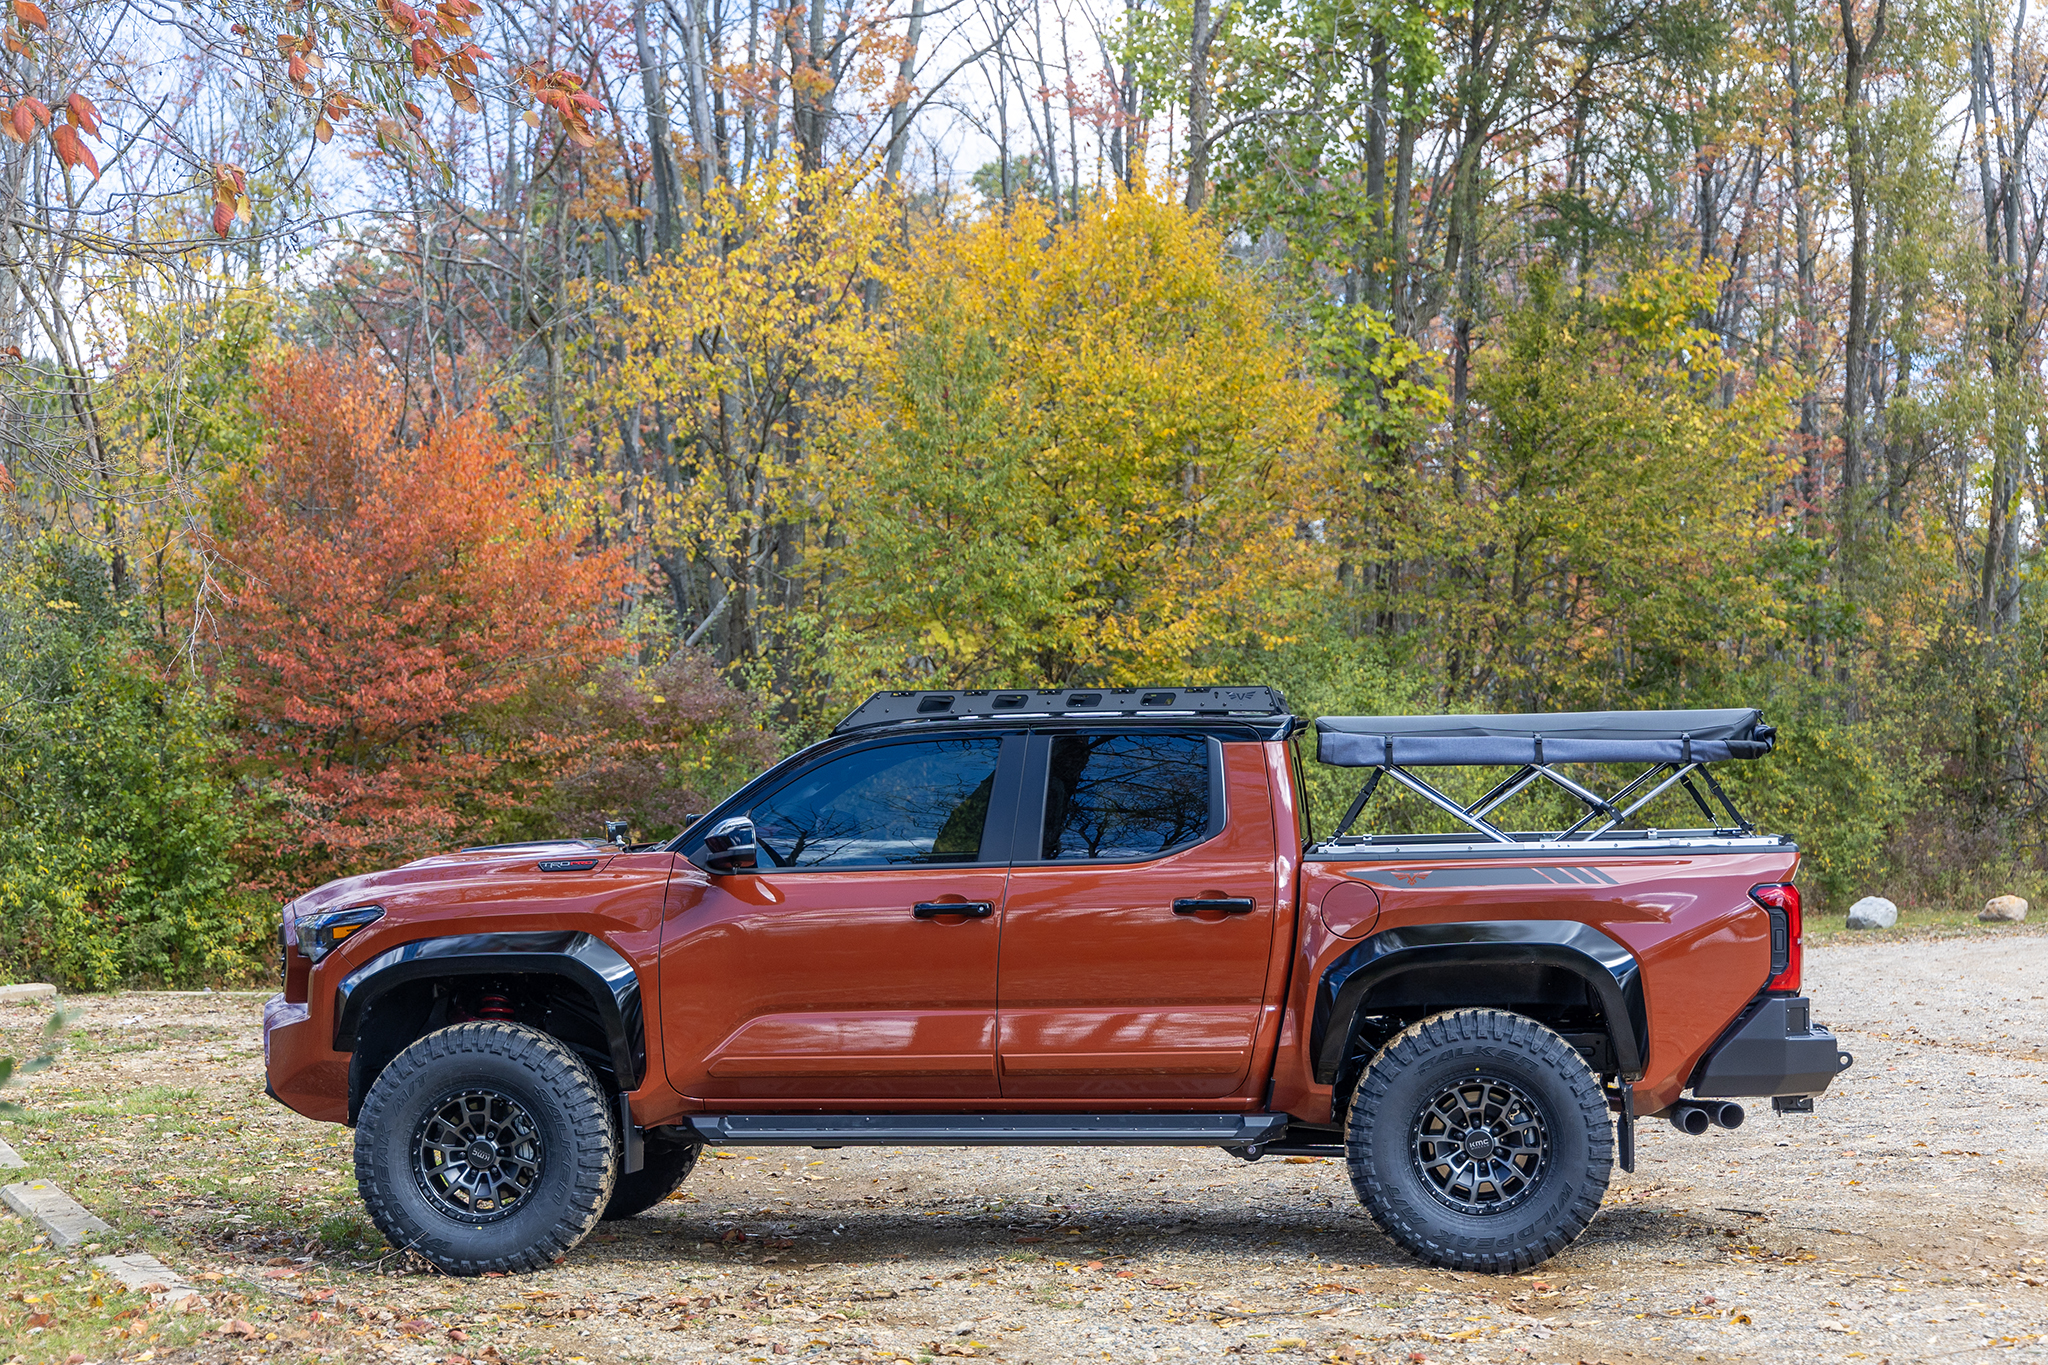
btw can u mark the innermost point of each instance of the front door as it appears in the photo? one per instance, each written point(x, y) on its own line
point(858, 961)
point(1137, 936)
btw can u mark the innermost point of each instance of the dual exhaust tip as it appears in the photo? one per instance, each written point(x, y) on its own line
point(1696, 1116)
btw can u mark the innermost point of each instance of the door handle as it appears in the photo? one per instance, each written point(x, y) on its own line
point(965, 909)
point(1229, 905)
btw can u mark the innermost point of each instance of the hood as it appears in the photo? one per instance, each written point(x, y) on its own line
point(392, 888)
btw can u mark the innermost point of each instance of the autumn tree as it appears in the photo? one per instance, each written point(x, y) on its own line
point(390, 609)
point(1094, 452)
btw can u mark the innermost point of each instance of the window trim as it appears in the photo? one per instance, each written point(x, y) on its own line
point(997, 835)
point(1029, 835)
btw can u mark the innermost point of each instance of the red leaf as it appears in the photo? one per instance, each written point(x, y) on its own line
point(21, 124)
point(71, 149)
point(83, 113)
point(31, 15)
point(588, 100)
point(35, 107)
point(223, 219)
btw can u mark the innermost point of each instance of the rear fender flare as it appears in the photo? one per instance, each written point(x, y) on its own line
point(1609, 970)
point(584, 960)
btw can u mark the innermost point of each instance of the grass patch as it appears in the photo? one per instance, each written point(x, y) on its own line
point(1915, 924)
point(57, 1305)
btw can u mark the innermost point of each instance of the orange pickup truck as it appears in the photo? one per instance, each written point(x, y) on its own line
point(1077, 917)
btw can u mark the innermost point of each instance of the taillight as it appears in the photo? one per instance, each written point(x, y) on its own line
point(1781, 900)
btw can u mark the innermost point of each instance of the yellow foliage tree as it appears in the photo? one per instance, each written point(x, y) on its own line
point(735, 369)
point(1094, 451)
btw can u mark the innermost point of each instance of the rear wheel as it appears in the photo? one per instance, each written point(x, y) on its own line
point(486, 1146)
point(667, 1166)
point(1478, 1140)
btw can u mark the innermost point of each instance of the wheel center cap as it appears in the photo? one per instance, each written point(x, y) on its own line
point(1478, 1144)
point(481, 1155)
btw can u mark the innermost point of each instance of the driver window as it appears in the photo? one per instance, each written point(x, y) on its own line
point(922, 802)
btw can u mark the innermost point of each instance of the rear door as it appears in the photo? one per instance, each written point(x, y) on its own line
point(858, 961)
point(1138, 927)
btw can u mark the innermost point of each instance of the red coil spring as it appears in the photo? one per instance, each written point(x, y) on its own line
point(494, 1007)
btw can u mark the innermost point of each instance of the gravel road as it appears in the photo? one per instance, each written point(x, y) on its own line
point(1906, 1220)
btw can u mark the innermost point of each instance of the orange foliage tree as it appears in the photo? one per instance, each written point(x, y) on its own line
point(391, 608)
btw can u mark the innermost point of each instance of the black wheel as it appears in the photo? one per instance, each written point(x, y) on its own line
point(1478, 1140)
point(667, 1166)
point(485, 1146)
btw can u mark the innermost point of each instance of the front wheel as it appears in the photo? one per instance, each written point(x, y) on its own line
point(1478, 1140)
point(486, 1146)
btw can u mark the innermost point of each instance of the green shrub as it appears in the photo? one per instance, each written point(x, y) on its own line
point(116, 829)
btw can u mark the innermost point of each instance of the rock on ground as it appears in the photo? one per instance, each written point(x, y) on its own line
point(1873, 912)
point(2004, 910)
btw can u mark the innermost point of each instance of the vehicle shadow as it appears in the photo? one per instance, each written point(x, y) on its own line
point(679, 1233)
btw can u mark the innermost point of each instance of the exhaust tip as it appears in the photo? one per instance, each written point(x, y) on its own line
point(1690, 1118)
point(1728, 1115)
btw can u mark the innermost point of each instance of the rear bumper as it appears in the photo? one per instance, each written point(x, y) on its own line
point(1773, 1049)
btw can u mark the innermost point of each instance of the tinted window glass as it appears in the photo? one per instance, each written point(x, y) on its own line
point(1125, 796)
point(896, 803)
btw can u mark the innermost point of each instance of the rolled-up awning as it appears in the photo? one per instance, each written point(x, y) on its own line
point(1557, 737)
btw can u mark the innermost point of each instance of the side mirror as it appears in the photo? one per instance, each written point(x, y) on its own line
point(730, 847)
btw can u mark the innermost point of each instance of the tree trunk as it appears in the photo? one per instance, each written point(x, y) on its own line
point(1857, 55)
point(1201, 32)
point(666, 228)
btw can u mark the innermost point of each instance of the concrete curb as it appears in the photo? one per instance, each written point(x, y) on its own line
point(27, 990)
point(68, 1222)
point(142, 1273)
point(10, 1159)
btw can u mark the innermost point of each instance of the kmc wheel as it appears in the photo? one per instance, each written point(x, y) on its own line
point(1478, 1140)
point(486, 1146)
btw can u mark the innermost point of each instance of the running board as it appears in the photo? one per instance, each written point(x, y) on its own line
point(1251, 1131)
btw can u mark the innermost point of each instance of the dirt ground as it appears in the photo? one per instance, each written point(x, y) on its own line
point(1907, 1220)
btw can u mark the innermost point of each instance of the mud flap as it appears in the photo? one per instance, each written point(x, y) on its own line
point(1625, 1130)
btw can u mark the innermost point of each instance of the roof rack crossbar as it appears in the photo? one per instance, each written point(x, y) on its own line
point(983, 703)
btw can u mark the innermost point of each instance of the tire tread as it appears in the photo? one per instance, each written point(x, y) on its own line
point(1413, 1047)
point(555, 1068)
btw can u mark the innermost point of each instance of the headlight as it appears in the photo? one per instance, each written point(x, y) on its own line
point(319, 935)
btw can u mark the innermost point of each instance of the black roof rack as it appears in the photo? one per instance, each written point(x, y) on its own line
point(889, 708)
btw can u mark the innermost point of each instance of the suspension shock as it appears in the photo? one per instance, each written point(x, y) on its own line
point(494, 1007)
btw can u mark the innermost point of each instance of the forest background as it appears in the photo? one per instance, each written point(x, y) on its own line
point(444, 425)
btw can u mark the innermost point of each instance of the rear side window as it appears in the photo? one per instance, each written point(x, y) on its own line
point(925, 802)
point(1125, 795)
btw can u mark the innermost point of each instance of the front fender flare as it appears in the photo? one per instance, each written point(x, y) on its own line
point(1607, 968)
point(588, 961)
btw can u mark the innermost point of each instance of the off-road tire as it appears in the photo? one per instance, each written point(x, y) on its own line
point(1441, 1066)
point(551, 1094)
point(667, 1166)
